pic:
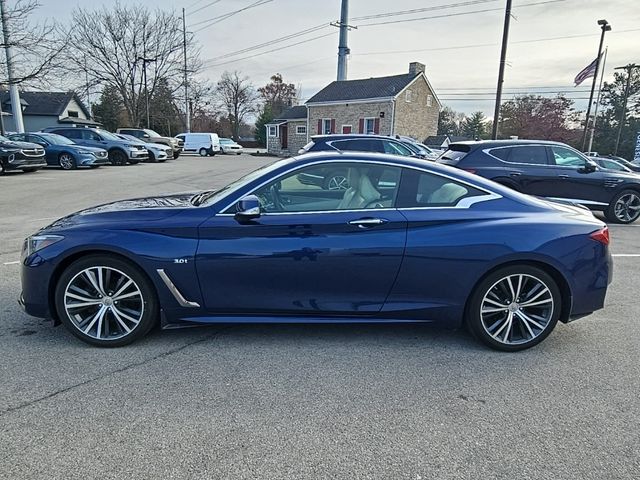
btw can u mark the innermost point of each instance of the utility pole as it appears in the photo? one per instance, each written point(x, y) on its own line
point(605, 27)
point(623, 116)
point(595, 112)
point(343, 49)
point(503, 61)
point(186, 86)
point(16, 106)
point(144, 61)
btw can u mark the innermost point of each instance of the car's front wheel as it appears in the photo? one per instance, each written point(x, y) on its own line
point(203, 152)
point(106, 301)
point(117, 157)
point(624, 208)
point(66, 161)
point(514, 308)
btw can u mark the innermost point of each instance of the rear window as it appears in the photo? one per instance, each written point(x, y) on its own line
point(454, 154)
point(422, 189)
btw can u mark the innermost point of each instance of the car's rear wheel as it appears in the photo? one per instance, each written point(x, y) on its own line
point(203, 152)
point(117, 157)
point(106, 301)
point(66, 161)
point(624, 208)
point(514, 308)
point(152, 157)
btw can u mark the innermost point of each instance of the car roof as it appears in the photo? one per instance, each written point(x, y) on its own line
point(477, 144)
point(343, 136)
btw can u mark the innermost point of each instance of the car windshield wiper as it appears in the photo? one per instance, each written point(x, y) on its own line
point(199, 198)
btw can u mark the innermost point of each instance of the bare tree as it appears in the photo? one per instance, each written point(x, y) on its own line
point(114, 46)
point(237, 97)
point(36, 47)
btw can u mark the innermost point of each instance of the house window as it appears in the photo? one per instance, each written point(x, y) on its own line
point(273, 131)
point(73, 114)
point(369, 126)
point(429, 100)
point(326, 126)
point(301, 130)
point(407, 96)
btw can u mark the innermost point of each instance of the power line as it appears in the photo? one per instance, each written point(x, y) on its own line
point(202, 8)
point(193, 4)
point(212, 21)
point(420, 10)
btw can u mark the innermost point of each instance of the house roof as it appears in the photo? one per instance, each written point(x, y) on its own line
point(439, 139)
point(45, 103)
point(368, 88)
point(293, 113)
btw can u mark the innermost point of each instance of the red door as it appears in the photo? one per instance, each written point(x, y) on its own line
point(346, 129)
point(284, 137)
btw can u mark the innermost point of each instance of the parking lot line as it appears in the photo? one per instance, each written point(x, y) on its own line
point(15, 262)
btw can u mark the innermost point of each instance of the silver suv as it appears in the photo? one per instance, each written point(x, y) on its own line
point(120, 151)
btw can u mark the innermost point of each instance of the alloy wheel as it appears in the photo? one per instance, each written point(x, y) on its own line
point(627, 207)
point(338, 182)
point(66, 161)
point(104, 303)
point(517, 309)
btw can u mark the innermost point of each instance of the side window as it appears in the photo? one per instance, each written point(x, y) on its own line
point(359, 145)
point(332, 187)
point(395, 148)
point(71, 133)
point(89, 135)
point(423, 189)
point(567, 158)
point(501, 153)
point(18, 137)
point(533, 155)
point(613, 165)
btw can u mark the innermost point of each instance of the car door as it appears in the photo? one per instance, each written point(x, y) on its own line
point(50, 151)
point(525, 165)
point(575, 180)
point(311, 251)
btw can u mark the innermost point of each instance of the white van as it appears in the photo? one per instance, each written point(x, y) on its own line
point(202, 143)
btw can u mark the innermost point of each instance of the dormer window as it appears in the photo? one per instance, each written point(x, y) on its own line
point(73, 114)
point(407, 96)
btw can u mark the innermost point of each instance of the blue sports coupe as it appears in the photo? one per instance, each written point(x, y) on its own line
point(407, 241)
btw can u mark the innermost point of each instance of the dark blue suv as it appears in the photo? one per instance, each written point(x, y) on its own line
point(553, 170)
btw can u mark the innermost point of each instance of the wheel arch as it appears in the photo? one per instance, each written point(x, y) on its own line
point(67, 261)
point(558, 277)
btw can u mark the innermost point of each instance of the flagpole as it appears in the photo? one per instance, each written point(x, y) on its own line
point(595, 112)
point(605, 27)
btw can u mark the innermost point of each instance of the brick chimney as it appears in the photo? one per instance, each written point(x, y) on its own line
point(415, 68)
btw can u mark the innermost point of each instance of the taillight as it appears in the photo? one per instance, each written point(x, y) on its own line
point(601, 236)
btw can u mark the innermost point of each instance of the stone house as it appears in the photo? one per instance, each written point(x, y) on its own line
point(288, 133)
point(46, 109)
point(404, 104)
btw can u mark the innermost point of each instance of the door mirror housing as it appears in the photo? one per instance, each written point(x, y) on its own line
point(248, 208)
point(589, 167)
point(146, 136)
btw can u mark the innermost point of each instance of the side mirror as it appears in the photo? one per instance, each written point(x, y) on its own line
point(248, 208)
point(590, 167)
point(146, 136)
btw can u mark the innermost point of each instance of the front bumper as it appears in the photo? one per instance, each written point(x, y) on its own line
point(18, 161)
point(138, 154)
point(90, 160)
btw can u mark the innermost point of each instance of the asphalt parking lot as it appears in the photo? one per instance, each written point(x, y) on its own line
point(273, 402)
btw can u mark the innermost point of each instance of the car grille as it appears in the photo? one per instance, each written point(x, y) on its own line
point(33, 152)
point(181, 143)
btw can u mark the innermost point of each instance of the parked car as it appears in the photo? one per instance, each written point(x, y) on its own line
point(550, 169)
point(24, 156)
point(63, 152)
point(269, 249)
point(202, 143)
point(158, 152)
point(630, 165)
point(608, 164)
point(357, 143)
point(149, 136)
point(417, 148)
point(227, 145)
point(120, 151)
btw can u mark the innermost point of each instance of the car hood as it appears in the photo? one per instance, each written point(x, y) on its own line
point(125, 211)
point(18, 145)
point(88, 149)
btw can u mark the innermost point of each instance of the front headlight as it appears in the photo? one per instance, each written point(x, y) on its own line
point(36, 243)
point(84, 152)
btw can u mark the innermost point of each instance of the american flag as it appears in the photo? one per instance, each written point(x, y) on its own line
point(588, 71)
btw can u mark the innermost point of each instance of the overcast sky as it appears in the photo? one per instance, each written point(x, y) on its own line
point(464, 78)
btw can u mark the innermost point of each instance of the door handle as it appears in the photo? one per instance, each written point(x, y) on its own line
point(563, 176)
point(515, 174)
point(368, 222)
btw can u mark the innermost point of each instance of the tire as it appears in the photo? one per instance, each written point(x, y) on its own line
point(67, 162)
point(336, 181)
point(203, 152)
point(624, 208)
point(117, 157)
point(2, 170)
point(176, 156)
point(238, 153)
point(514, 325)
point(152, 158)
point(133, 161)
point(107, 321)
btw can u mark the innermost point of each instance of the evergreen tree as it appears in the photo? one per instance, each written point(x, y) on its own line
point(109, 110)
point(265, 117)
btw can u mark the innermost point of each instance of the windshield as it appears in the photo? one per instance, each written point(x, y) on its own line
point(212, 196)
point(226, 140)
point(110, 136)
point(151, 133)
point(56, 139)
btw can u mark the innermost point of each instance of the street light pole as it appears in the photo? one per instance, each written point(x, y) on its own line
point(144, 61)
point(503, 60)
point(623, 116)
point(16, 106)
point(186, 86)
point(605, 27)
